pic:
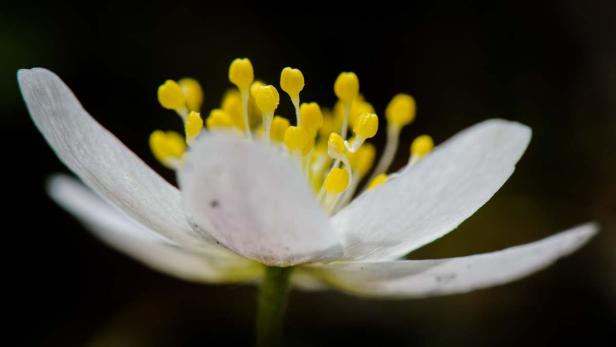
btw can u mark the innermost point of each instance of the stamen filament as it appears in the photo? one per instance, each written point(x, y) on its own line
point(245, 95)
point(295, 101)
point(268, 117)
point(391, 146)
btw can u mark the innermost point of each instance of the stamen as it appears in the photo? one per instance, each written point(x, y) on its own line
point(346, 88)
point(311, 117)
point(377, 181)
point(337, 150)
point(420, 147)
point(365, 127)
point(292, 82)
point(296, 139)
point(361, 162)
point(232, 105)
point(171, 97)
point(218, 119)
point(335, 146)
point(267, 99)
point(279, 128)
point(193, 93)
point(363, 158)
point(254, 87)
point(336, 182)
point(241, 74)
point(193, 126)
point(333, 165)
point(399, 112)
point(167, 147)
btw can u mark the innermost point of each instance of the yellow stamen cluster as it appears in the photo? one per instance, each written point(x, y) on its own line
point(333, 164)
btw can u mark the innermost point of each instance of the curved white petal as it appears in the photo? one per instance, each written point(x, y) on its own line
point(422, 278)
point(435, 195)
point(148, 247)
point(255, 200)
point(100, 159)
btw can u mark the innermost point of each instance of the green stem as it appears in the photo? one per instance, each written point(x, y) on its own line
point(272, 304)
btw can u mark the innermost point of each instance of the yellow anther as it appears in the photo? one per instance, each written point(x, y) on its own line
point(266, 98)
point(366, 125)
point(279, 128)
point(359, 107)
point(336, 181)
point(292, 81)
point(346, 87)
point(193, 126)
point(254, 87)
point(232, 105)
point(167, 147)
point(377, 181)
point(310, 117)
point(363, 159)
point(421, 146)
point(218, 119)
point(335, 145)
point(401, 110)
point(309, 145)
point(171, 96)
point(296, 138)
point(330, 125)
point(241, 73)
point(192, 92)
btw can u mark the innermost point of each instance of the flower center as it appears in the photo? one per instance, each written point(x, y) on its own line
point(333, 163)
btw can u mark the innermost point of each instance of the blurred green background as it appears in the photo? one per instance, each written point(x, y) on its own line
point(548, 64)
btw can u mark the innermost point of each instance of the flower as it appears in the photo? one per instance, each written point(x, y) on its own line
point(279, 200)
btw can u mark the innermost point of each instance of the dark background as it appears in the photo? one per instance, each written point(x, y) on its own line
point(548, 64)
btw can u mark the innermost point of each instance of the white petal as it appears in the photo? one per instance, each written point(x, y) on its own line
point(422, 278)
point(100, 159)
point(150, 248)
point(435, 195)
point(305, 280)
point(257, 200)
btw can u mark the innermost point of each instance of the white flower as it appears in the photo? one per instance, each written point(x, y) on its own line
point(242, 203)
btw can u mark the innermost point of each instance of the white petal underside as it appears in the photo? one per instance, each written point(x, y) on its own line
point(102, 161)
point(423, 278)
point(255, 200)
point(434, 196)
point(119, 231)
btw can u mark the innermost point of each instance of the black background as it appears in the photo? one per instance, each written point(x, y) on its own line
point(548, 64)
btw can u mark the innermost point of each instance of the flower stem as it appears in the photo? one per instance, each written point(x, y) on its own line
point(272, 304)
